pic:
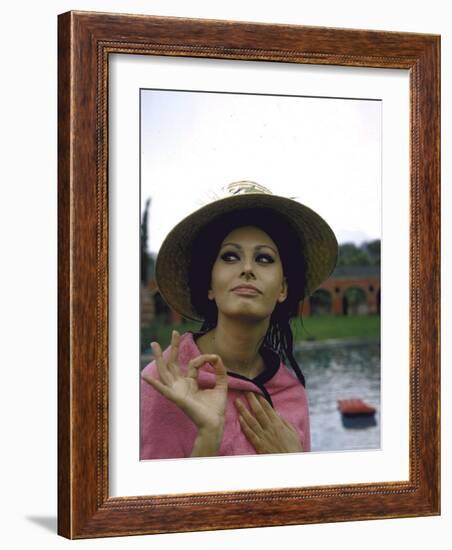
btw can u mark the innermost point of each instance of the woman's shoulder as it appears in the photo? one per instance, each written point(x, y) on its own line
point(285, 379)
point(187, 348)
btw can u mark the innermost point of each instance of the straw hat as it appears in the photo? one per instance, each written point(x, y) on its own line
point(319, 244)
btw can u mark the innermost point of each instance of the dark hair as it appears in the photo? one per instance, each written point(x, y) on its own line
point(204, 253)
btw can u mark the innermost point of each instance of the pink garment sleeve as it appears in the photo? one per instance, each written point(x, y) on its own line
point(159, 420)
point(306, 440)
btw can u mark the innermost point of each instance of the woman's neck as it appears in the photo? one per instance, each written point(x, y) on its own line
point(237, 344)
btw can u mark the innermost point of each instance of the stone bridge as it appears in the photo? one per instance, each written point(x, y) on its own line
point(348, 291)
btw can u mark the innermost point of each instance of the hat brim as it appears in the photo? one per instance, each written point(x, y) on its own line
point(318, 245)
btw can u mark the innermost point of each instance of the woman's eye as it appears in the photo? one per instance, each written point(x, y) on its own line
point(229, 256)
point(265, 258)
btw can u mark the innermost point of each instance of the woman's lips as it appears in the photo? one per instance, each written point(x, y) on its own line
point(246, 291)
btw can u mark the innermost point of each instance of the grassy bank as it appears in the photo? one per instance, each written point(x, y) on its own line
point(314, 328)
point(330, 326)
point(161, 333)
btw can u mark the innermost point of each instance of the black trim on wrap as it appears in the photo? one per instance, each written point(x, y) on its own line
point(272, 364)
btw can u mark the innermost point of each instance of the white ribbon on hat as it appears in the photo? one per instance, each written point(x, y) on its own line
point(242, 187)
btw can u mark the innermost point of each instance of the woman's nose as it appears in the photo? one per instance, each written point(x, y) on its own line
point(247, 267)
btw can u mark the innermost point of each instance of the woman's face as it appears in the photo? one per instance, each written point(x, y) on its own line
point(247, 276)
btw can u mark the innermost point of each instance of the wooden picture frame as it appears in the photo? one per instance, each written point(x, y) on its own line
point(85, 42)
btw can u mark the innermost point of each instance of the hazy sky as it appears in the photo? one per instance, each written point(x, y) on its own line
point(326, 152)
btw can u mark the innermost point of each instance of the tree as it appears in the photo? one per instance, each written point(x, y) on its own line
point(368, 253)
point(146, 261)
point(373, 249)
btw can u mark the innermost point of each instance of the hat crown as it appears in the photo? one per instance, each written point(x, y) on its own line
point(246, 188)
point(318, 244)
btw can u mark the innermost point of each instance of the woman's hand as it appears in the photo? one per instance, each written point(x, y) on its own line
point(205, 407)
point(267, 431)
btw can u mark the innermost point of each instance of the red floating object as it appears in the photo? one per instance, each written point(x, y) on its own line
point(355, 407)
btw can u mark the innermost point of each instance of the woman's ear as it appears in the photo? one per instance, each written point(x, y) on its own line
point(210, 294)
point(284, 290)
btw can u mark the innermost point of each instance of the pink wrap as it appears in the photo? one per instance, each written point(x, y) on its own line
point(166, 432)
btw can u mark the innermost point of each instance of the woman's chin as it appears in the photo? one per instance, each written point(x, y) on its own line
point(247, 314)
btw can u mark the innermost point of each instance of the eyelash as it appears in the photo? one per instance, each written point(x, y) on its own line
point(226, 255)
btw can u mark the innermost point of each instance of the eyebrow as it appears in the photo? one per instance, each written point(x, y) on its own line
point(257, 247)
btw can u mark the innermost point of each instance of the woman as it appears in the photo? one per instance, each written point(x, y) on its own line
point(241, 265)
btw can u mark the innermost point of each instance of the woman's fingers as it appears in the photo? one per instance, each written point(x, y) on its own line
point(269, 410)
point(258, 409)
point(172, 363)
point(220, 371)
point(267, 434)
point(250, 421)
point(165, 376)
point(174, 350)
point(156, 384)
point(198, 362)
point(221, 378)
point(252, 437)
point(168, 369)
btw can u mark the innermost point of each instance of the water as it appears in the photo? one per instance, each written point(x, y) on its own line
point(342, 372)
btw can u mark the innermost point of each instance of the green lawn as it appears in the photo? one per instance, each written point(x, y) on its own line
point(323, 327)
point(161, 333)
point(320, 327)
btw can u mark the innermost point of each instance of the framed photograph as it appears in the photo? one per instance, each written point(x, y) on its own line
point(159, 116)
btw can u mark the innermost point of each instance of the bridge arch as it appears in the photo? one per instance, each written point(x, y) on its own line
point(320, 302)
point(354, 301)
